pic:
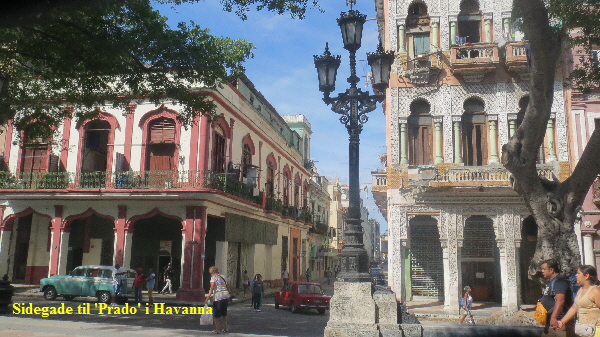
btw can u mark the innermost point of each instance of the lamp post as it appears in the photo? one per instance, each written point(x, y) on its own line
point(353, 106)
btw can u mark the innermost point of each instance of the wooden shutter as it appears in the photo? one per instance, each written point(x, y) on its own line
point(162, 130)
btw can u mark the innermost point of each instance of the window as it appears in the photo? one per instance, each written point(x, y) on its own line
point(270, 186)
point(418, 34)
point(420, 134)
point(218, 153)
point(246, 160)
point(297, 185)
point(469, 21)
point(95, 148)
point(421, 44)
point(286, 188)
point(161, 145)
point(474, 134)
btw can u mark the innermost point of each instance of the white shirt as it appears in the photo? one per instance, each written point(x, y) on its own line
point(117, 276)
point(285, 273)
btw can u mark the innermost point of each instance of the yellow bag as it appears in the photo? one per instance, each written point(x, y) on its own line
point(541, 314)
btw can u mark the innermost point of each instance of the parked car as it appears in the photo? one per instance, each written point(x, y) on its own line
point(94, 281)
point(377, 276)
point(302, 295)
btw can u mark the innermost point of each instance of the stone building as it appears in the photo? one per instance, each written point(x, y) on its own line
point(140, 189)
point(458, 91)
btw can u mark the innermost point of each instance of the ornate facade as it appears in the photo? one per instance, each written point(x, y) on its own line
point(458, 92)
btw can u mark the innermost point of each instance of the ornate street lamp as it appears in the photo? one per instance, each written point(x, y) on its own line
point(353, 105)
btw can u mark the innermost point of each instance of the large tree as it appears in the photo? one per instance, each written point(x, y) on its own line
point(551, 28)
point(81, 54)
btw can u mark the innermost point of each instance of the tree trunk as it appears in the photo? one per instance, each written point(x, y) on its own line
point(553, 204)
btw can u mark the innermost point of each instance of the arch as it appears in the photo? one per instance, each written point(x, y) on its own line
point(469, 7)
point(417, 8)
point(9, 222)
point(480, 259)
point(473, 104)
point(247, 140)
point(469, 21)
point(144, 124)
point(220, 121)
point(419, 107)
point(420, 133)
point(474, 132)
point(102, 116)
point(150, 214)
point(271, 159)
point(529, 288)
point(426, 258)
point(68, 221)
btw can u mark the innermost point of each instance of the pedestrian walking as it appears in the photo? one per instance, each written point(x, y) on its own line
point(328, 274)
point(557, 299)
point(219, 292)
point(258, 290)
point(307, 274)
point(138, 283)
point(587, 303)
point(168, 275)
point(465, 304)
point(245, 281)
point(117, 283)
point(150, 285)
point(285, 275)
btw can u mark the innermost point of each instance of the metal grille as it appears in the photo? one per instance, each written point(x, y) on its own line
point(479, 238)
point(426, 266)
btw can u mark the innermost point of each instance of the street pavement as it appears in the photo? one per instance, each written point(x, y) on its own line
point(243, 320)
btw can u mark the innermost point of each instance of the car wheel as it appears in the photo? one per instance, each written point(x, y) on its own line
point(276, 305)
point(293, 308)
point(104, 297)
point(69, 297)
point(50, 293)
point(321, 311)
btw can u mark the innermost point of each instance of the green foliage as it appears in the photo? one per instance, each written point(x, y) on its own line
point(105, 53)
point(296, 8)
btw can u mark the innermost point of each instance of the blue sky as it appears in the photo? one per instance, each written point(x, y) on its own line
point(283, 71)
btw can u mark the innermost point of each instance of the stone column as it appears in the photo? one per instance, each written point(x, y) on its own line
point(438, 140)
point(453, 32)
point(550, 136)
point(403, 147)
point(127, 249)
point(457, 155)
point(488, 30)
point(451, 263)
point(493, 120)
point(435, 35)
point(588, 249)
point(55, 239)
point(5, 236)
point(401, 36)
point(64, 252)
point(120, 235)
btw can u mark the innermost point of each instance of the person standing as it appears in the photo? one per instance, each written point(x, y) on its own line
point(556, 298)
point(328, 274)
point(168, 274)
point(220, 293)
point(285, 275)
point(465, 303)
point(138, 283)
point(117, 282)
point(307, 274)
point(245, 281)
point(150, 285)
point(258, 290)
point(587, 301)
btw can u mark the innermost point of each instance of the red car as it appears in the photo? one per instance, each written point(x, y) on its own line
point(302, 295)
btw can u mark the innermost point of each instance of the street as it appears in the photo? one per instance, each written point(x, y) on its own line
point(242, 318)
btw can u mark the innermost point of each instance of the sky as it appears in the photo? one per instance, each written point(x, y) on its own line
point(283, 70)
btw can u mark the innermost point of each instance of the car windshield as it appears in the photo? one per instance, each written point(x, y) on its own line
point(309, 289)
point(376, 271)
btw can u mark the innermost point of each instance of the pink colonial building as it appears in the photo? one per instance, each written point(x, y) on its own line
point(140, 189)
point(583, 112)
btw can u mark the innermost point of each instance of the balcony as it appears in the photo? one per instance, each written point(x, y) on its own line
point(484, 176)
point(474, 60)
point(129, 180)
point(516, 59)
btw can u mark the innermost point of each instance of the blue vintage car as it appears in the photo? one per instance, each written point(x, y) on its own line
point(92, 280)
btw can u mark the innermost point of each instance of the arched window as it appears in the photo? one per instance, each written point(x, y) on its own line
point(161, 145)
point(420, 134)
point(474, 133)
point(246, 159)
point(297, 186)
point(35, 156)
point(270, 184)
point(286, 188)
point(523, 103)
point(418, 33)
point(94, 156)
point(469, 21)
point(218, 152)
